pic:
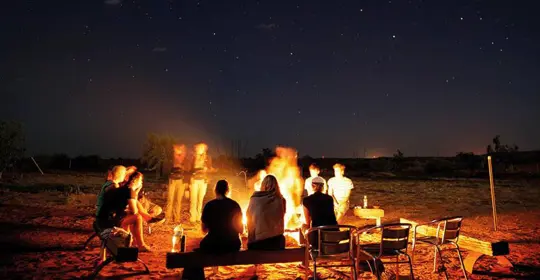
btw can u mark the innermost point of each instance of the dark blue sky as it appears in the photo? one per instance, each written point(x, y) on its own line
point(327, 77)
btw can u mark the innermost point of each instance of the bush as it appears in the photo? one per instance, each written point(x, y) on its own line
point(438, 166)
point(380, 165)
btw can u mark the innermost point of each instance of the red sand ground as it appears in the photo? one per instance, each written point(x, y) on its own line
point(42, 233)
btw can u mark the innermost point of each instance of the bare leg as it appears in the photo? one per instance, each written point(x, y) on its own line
point(200, 198)
point(135, 222)
point(171, 193)
point(178, 196)
point(143, 212)
point(193, 196)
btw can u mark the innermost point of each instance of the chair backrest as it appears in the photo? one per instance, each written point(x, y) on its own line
point(333, 240)
point(394, 237)
point(448, 229)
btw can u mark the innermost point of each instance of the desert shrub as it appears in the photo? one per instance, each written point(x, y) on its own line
point(380, 165)
point(12, 142)
point(438, 166)
point(414, 167)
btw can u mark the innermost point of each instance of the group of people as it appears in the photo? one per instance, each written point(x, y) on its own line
point(338, 187)
point(222, 217)
point(188, 176)
point(121, 203)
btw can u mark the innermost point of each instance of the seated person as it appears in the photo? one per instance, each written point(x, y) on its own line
point(149, 211)
point(222, 222)
point(265, 217)
point(114, 178)
point(119, 209)
point(318, 209)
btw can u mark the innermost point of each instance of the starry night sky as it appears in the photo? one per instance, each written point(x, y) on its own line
point(327, 77)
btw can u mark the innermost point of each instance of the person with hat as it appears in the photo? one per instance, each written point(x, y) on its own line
point(318, 208)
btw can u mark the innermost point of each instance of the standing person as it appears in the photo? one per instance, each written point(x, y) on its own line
point(339, 187)
point(202, 164)
point(175, 191)
point(314, 171)
point(266, 217)
point(318, 209)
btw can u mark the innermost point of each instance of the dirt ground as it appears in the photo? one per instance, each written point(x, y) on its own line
point(43, 227)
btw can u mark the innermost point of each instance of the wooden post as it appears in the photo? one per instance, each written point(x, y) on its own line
point(492, 187)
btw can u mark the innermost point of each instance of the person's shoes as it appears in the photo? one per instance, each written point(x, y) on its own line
point(145, 248)
point(159, 219)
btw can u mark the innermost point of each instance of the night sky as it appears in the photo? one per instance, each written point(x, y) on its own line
point(327, 77)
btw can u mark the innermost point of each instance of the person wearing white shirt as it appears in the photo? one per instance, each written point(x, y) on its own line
point(314, 171)
point(339, 187)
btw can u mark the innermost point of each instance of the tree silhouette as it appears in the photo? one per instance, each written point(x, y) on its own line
point(12, 143)
point(158, 151)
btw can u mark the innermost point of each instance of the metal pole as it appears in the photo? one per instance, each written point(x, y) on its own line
point(492, 186)
point(37, 165)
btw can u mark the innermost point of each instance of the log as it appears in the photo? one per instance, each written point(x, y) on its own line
point(247, 257)
point(489, 248)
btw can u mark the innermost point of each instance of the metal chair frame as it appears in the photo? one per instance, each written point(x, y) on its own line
point(448, 230)
point(104, 261)
point(318, 253)
point(389, 246)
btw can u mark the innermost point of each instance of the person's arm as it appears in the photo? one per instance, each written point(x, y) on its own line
point(238, 225)
point(204, 228)
point(204, 219)
point(307, 217)
point(347, 194)
point(133, 199)
point(111, 186)
point(330, 190)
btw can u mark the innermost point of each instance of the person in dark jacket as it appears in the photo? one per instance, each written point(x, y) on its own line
point(318, 209)
point(265, 217)
point(222, 222)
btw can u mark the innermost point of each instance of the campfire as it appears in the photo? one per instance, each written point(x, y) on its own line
point(285, 168)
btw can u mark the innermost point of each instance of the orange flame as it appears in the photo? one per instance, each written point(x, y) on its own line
point(284, 166)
